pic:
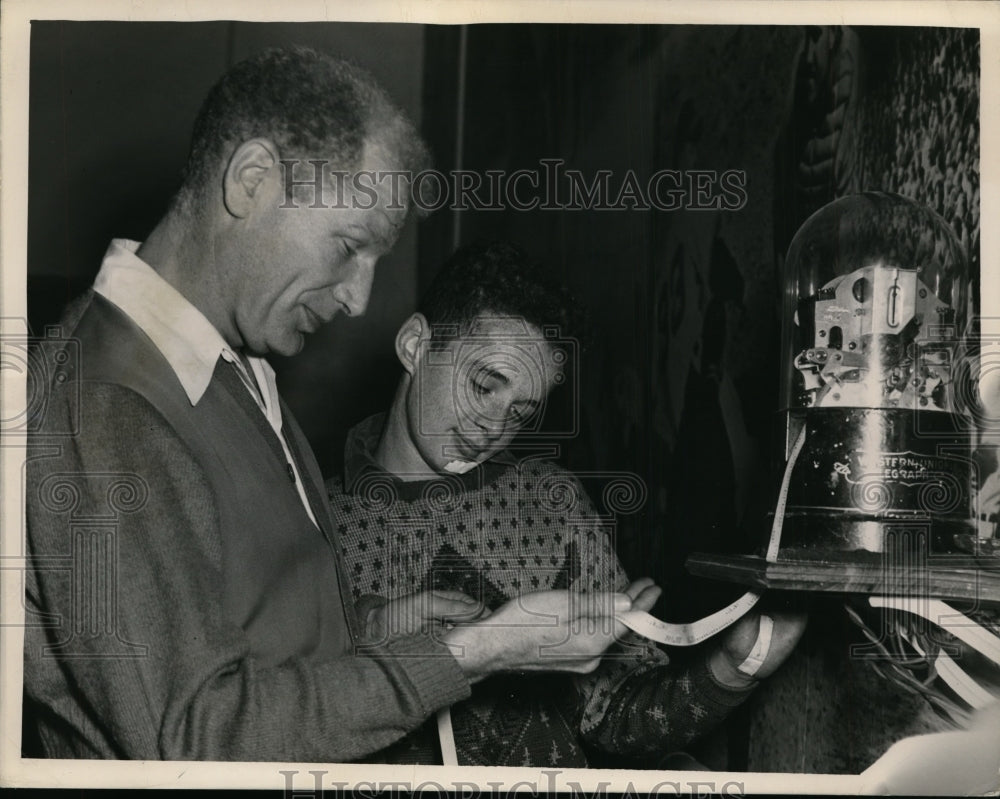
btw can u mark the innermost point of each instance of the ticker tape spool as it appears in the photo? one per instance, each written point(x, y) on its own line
point(691, 633)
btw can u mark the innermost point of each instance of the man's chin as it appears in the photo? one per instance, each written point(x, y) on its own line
point(290, 345)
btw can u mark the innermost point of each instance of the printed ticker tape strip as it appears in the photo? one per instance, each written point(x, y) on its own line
point(449, 755)
point(688, 634)
point(695, 632)
point(761, 647)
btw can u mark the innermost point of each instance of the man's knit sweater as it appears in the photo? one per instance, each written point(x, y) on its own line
point(501, 530)
point(180, 602)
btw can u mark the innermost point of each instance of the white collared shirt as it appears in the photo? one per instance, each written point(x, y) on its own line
point(189, 342)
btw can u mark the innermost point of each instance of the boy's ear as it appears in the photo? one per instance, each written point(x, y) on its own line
point(408, 341)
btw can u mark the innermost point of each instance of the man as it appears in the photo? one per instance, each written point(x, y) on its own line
point(185, 597)
point(432, 499)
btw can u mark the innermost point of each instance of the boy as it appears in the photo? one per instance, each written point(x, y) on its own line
point(432, 500)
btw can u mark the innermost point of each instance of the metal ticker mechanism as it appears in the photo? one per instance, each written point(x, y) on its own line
point(872, 344)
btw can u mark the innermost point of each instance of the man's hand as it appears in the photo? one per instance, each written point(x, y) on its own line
point(544, 631)
point(740, 639)
point(424, 612)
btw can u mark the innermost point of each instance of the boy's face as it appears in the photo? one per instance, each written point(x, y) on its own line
point(470, 396)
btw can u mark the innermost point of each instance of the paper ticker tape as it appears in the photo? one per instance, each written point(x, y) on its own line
point(446, 734)
point(948, 618)
point(761, 647)
point(690, 633)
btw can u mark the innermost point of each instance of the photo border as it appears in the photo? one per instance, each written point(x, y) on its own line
point(14, 74)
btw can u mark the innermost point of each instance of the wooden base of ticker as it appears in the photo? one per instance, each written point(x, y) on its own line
point(968, 579)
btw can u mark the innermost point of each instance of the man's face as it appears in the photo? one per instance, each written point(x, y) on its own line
point(469, 397)
point(299, 266)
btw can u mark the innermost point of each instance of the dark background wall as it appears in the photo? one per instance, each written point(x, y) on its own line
point(680, 387)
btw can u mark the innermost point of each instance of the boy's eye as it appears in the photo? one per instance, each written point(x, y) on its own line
point(480, 389)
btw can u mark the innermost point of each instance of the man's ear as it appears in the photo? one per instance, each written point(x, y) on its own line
point(408, 341)
point(244, 177)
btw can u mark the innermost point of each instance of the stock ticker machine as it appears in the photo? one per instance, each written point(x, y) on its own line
point(879, 494)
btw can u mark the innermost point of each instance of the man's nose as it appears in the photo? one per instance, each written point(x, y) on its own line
point(354, 291)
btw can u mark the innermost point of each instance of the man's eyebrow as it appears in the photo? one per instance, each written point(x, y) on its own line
point(366, 237)
point(364, 230)
point(379, 231)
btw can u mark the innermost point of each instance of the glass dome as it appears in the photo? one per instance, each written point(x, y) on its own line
point(876, 289)
point(875, 306)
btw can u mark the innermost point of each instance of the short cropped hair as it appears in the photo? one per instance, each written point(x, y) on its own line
point(310, 104)
point(499, 279)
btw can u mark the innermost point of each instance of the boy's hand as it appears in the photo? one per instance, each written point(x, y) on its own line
point(643, 593)
point(740, 640)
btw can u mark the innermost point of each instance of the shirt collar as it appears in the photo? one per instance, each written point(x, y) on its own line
point(359, 450)
point(188, 341)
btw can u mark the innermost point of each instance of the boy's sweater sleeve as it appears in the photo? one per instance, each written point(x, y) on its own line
point(636, 702)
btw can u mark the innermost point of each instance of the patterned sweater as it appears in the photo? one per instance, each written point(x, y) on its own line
point(504, 529)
